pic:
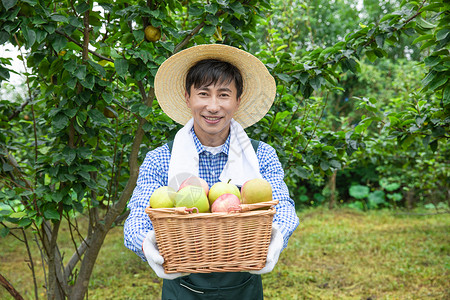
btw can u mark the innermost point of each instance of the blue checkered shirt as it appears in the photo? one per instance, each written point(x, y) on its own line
point(153, 174)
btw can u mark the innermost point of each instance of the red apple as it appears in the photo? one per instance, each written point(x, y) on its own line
point(226, 203)
point(195, 181)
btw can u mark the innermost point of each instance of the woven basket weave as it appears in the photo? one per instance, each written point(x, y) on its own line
point(213, 242)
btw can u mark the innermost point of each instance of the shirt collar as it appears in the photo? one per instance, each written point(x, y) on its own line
point(199, 147)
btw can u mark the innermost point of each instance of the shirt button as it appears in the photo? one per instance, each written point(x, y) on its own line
point(213, 173)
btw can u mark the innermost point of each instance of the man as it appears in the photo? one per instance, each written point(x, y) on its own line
point(215, 91)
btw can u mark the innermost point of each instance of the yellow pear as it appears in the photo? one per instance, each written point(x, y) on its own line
point(163, 197)
point(256, 190)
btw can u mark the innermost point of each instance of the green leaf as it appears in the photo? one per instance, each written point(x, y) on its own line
point(324, 165)
point(446, 95)
point(315, 83)
point(82, 7)
point(121, 66)
point(7, 167)
point(423, 38)
point(430, 76)
point(4, 36)
point(237, 8)
point(212, 8)
point(379, 39)
point(371, 56)
point(59, 18)
point(59, 42)
point(51, 214)
point(359, 191)
point(431, 61)
point(437, 82)
point(424, 24)
point(60, 121)
point(209, 30)
point(80, 72)
point(24, 222)
point(18, 215)
point(97, 117)
point(7, 4)
point(195, 11)
point(434, 145)
point(442, 34)
point(4, 232)
point(392, 186)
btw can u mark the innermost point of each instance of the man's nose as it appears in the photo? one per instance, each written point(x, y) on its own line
point(213, 104)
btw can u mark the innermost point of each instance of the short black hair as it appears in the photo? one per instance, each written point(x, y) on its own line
point(212, 71)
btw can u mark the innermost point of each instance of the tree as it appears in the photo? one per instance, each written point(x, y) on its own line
point(90, 73)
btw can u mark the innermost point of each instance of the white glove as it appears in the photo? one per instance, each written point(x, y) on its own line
point(154, 259)
point(273, 253)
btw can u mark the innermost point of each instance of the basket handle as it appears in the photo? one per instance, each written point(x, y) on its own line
point(248, 207)
point(177, 210)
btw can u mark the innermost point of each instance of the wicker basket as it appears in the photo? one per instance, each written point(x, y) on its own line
point(213, 242)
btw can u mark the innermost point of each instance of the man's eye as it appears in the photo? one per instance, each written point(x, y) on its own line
point(203, 94)
point(224, 95)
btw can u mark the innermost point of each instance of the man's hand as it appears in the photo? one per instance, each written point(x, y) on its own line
point(273, 253)
point(154, 259)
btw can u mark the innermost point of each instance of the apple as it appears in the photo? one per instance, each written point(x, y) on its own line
point(220, 188)
point(225, 203)
point(192, 196)
point(195, 181)
point(163, 197)
point(256, 190)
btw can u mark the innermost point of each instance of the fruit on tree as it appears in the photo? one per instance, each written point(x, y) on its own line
point(220, 188)
point(256, 190)
point(109, 112)
point(163, 197)
point(192, 196)
point(152, 34)
point(226, 203)
point(195, 181)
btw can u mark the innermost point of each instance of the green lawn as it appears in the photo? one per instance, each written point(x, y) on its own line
point(340, 254)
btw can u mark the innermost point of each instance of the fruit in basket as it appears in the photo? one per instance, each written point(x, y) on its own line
point(163, 197)
point(195, 181)
point(220, 188)
point(192, 196)
point(256, 190)
point(226, 203)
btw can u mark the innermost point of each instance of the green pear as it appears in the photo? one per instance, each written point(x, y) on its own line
point(256, 190)
point(220, 188)
point(163, 197)
point(192, 196)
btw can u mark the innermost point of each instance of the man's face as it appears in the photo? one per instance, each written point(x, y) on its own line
point(212, 108)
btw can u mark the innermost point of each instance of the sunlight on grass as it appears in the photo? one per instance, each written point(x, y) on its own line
point(341, 254)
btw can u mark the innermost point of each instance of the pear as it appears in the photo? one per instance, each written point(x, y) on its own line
point(192, 196)
point(163, 197)
point(256, 190)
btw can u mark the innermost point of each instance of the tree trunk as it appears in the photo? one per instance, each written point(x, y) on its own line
point(332, 187)
point(80, 288)
point(11, 290)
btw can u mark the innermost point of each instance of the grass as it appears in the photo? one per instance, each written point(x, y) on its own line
point(340, 254)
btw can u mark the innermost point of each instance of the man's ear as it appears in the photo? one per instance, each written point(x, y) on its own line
point(186, 97)
point(239, 101)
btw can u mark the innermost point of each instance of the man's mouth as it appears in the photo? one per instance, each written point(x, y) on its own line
point(212, 120)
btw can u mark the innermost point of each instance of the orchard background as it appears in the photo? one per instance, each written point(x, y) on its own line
point(360, 120)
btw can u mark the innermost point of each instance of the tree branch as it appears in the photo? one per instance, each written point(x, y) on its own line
point(11, 290)
point(81, 46)
point(188, 37)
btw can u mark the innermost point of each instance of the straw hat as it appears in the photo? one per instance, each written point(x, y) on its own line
point(259, 86)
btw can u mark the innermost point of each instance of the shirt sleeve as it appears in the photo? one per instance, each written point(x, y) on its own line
point(151, 176)
point(270, 167)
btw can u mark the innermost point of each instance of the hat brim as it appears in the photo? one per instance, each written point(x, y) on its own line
point(259, 86)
